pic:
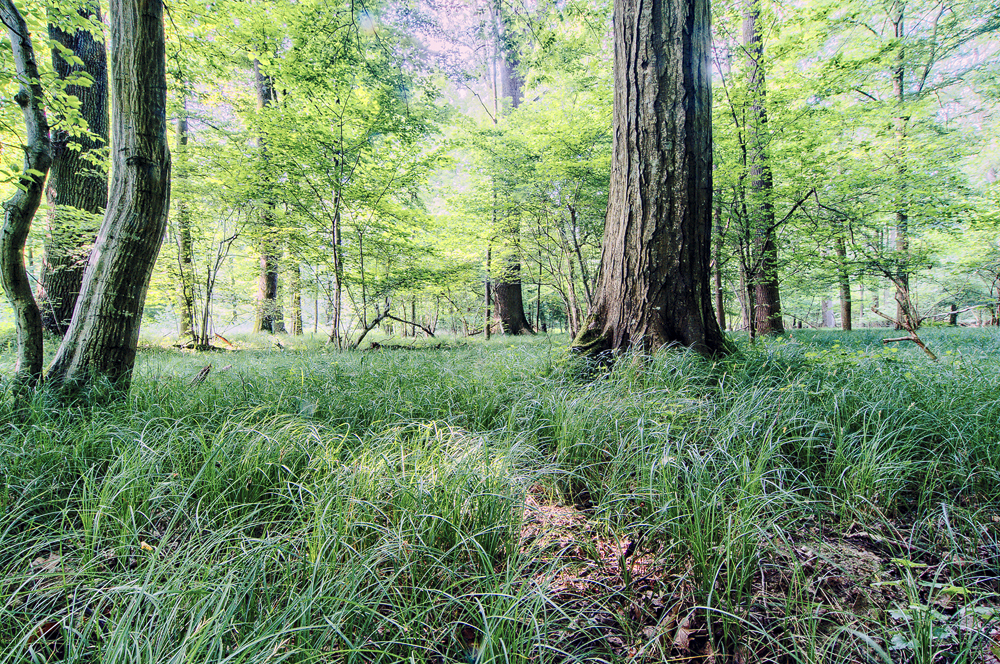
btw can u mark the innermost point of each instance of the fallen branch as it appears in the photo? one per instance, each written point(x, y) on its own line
point(202, 375)
point(907, 324)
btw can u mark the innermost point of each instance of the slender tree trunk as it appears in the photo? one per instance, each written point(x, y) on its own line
point(902, 243)
point(77, 190)
point(295, 293)
point(103, 335)
point(19, 209)
point(844, 281)
point(185, 246)
point(720, 303)
point(653, 287)
point(488, 317)
point(269, 316)
point(767, 299)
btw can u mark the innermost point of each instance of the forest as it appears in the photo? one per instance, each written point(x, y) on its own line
point(500, 330)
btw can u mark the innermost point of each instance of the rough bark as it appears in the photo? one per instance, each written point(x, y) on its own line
point(653, 287)
point(102, 338)
point(77, 189)
point(760, 208)
point(19, 209)
point(269, 316)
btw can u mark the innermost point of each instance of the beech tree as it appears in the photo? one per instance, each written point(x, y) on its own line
point(104, 333)
point(654, 283)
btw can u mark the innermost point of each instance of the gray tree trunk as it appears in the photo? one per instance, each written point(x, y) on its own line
point(270, 317)
point(104, 333)
point(19, 209)
point(654, 287)
point(75, 185)
point(760, 207)
point(185, 245)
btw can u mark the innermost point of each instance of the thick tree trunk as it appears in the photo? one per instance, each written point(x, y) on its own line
point(507, 292)
point(77, 190)
point(760, 207)
point(269, 316)
point(654, 285)
point(103, 335)
point(844, 282)
point(19, 210)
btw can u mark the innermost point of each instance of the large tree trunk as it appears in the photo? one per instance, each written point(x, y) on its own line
point(760, 207)
point(654, 285)
point(507, 293)
point(269, 316)
point(19, 210)
point(102, 338)
point(75, 184)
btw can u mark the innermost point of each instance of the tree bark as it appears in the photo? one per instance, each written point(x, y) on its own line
point(507, 291)
point(653, 287)
point(767, 298)
point(269, 316)
point(76, 185)
point(844, 282)
point(185, 245)
point(19, 209)
point(295, 288)
point(902, 244)
point(102, 338)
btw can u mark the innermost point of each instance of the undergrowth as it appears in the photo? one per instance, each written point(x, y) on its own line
point(809, 499)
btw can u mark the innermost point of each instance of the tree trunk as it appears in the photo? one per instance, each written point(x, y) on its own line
point(902, 244)
point(102, 338)
point(269, 316)
point(653, 287)
point(507, 293)
point(19, 209)
point(295, 292)
point(767, 299)
point(844, 281)
point(77, 190)
point(720, 303)
point(185, 246)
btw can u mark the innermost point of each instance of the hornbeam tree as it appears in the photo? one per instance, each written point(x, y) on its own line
point(655, 260)
point(104, 332)
point(19, 210)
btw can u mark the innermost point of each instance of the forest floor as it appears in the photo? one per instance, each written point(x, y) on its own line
point(816, 498)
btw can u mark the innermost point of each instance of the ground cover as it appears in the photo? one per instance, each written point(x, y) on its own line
point(812, 499)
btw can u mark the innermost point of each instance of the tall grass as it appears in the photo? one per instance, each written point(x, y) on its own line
point(308, 505)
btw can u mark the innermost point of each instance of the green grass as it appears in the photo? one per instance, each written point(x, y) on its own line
point(809, 499)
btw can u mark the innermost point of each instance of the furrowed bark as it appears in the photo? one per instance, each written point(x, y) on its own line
point(77, 189)
point(653, 287)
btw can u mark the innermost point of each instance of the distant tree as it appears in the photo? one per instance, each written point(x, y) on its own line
point(104, 333)
point(654, 286)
